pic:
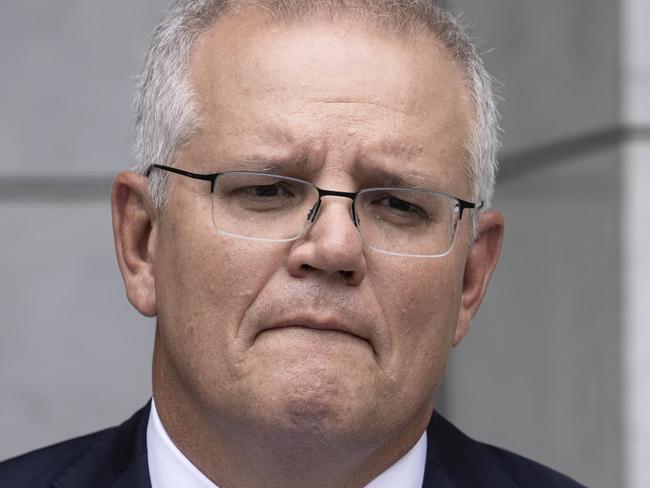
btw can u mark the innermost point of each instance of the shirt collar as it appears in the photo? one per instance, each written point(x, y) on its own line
point(169, 468)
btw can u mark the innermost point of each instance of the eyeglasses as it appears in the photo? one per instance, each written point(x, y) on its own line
point(399, 221)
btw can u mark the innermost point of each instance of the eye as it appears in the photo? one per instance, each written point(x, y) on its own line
point(261, 193)
point(399, 206)
point(273, 190)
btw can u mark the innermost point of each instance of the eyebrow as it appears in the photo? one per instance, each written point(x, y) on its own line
point(268, 164)
point(363, 170)
point(405, 178)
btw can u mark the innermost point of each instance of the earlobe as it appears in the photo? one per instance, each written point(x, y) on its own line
point(481, 261)
point(134, 231)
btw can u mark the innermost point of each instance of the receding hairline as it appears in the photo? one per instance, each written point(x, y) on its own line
point(374, 15)
point(412, 33)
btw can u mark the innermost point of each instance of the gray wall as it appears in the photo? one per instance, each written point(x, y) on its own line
point(74, 355)
point(541, 370)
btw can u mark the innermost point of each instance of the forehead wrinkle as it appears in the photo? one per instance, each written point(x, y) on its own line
point(266, 163)
point(382, 157)
point(395, 148)
point(270, 143)
point(352, 101)
point(404, 177)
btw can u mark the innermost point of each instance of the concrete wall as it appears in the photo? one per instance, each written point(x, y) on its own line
point(557, 362)
point(636, 237)
point(558, 62)
point(74, 355)
point(540, 372)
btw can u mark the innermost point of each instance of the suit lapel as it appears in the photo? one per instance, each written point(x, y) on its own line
point(435, 477)
point(455, 460)
point(135, 475)
point(117, 460)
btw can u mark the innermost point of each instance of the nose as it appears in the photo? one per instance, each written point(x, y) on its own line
point(331, 246)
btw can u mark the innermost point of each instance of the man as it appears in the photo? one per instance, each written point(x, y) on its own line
point(309, 223)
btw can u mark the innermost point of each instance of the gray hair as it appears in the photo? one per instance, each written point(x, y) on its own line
point(166, 115)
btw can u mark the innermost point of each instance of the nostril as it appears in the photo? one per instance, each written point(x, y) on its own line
point(346, 274)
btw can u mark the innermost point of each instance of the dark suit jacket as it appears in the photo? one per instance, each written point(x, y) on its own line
point(117, 458)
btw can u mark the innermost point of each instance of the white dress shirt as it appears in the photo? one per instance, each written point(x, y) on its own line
point(169, 468)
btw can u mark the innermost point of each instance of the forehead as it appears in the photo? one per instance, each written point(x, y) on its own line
point(324, 88)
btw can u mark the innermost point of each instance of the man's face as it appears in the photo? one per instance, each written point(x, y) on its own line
point(320, 333)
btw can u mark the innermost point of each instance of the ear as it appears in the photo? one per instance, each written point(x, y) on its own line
point(134, 228)
point(481, 260)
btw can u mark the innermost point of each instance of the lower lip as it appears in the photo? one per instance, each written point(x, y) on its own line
point(302, 340)
point(305, 330)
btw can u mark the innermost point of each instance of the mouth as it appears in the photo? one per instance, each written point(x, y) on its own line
point(317, 326)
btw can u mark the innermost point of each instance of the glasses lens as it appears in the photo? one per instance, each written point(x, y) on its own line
point(260, 206)
point(407, 221)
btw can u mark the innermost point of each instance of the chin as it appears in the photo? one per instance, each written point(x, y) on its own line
point(315, 403)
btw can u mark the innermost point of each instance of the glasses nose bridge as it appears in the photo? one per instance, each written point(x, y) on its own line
point(313, 213)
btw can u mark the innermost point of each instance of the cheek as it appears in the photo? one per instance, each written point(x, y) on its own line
point(205, 282)
point(420, 303)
